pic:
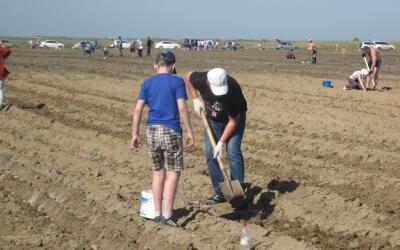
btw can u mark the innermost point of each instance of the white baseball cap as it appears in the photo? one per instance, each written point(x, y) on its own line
point(218, 81)
point(364, 72)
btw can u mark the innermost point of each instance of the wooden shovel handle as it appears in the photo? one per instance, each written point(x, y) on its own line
point(211, 137)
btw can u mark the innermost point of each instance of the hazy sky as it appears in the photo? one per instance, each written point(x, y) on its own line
point(225, 19)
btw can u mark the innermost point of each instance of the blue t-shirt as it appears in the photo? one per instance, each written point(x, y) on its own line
point(161, 92)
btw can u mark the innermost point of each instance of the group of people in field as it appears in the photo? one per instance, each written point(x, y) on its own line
point(213, 92)
point(312, 47)
point(359, 79)
point(136, 45)
point(362, 79)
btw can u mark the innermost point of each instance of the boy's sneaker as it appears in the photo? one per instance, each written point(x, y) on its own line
point(158, 219)
point(169, 222)
point(215, 199)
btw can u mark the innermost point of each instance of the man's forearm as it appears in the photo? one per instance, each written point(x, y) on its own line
point(230, 128)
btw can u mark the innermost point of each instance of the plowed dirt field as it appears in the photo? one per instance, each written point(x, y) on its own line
point(323, 165)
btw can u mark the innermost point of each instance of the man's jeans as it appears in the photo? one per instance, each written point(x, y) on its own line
point(233, 151)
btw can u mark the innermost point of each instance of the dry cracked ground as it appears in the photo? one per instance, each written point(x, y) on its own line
point(322, 165)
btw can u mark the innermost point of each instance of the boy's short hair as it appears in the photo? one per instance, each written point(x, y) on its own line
point(165, 58)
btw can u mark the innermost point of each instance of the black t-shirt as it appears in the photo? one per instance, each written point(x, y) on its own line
point(219, 108)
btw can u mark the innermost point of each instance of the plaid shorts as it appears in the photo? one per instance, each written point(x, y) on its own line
point(165, 148)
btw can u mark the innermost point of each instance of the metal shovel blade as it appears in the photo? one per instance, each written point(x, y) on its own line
point(231, 189)
point(226, 190)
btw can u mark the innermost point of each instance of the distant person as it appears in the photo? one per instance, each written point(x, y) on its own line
point(225, 107)
point(30, 44)
point(260, 46)
point(357, 80)
point(140, 47)
point(87, 50)
point(312, 47)
point(165, 94)
point(132, 47)
point(374, 63)
point(314, 56)
point(290, 55)
point(104, 52)
point(120, 48)
point(149, 44)
point(4, 54)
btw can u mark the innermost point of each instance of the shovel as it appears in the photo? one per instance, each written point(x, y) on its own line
point(230, 188)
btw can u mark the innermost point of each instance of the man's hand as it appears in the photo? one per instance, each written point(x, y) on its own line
point(135, 144)
point(370, 72)
point(198, 105)
point(219, 149)
point(363, 54)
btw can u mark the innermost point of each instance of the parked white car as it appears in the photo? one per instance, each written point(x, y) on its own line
point(125, 44)
point(379, 45)
point(167, 45)
point(51, 44)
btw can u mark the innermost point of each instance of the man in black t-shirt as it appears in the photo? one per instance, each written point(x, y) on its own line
point(149, 43)
point(225, 108)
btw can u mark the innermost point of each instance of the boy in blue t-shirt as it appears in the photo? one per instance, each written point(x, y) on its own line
point(165, 95)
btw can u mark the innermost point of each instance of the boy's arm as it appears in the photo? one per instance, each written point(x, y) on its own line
point(361, 81)
point(184, 114)
point(137, 116)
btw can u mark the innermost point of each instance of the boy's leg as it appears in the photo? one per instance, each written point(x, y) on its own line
point(158, 189)
point(170, 186)
point(157, 162)
point(173, 154)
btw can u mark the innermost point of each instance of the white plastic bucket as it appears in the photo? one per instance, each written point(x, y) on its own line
point(147, 209)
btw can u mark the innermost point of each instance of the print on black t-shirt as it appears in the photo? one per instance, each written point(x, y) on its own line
point(219, 108)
